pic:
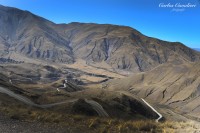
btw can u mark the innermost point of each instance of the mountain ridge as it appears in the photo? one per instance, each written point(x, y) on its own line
point(34, 37)
point(197, 49)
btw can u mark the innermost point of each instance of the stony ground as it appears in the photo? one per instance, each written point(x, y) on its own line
point(8, 125)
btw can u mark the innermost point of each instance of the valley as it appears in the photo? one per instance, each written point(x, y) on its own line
point(94, 77)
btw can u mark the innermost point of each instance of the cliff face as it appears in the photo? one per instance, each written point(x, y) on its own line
point(28, 35)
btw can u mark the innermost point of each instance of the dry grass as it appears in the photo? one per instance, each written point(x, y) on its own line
point(96, 124)
point(81, 65)
point(92, 78)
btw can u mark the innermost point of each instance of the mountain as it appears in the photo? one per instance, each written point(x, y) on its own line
point(80, 69)
point(197, 49)
point(24, 35)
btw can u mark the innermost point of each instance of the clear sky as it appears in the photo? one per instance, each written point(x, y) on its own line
point(166, 23)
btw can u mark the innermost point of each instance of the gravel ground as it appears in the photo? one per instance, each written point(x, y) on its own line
point(8, 125)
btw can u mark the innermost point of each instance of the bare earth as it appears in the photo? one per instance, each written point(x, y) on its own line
point(8, 125)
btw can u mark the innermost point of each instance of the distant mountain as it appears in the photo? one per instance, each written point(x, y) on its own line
point(197, 49)
point(25, 35)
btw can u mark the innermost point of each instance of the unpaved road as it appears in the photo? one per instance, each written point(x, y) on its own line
point(8, 125)
point(28, 101)
point(97, 107)
point(160, 116)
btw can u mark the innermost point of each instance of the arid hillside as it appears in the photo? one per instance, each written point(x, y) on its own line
point(175, 85)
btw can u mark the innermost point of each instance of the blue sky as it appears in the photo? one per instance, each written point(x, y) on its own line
point(143, 15)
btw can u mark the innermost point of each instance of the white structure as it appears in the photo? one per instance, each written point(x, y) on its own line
point(10, 81)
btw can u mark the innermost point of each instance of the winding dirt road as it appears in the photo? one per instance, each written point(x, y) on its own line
point(96, 106)
point(28, 101)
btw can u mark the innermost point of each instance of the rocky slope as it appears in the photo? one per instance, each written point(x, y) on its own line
point(27, 34)
point(23, 34)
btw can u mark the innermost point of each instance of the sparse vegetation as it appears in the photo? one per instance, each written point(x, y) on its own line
point(94, 124)
point(73, 122)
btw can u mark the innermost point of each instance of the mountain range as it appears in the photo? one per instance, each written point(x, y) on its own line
point(25, 35)
point(197, 49)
